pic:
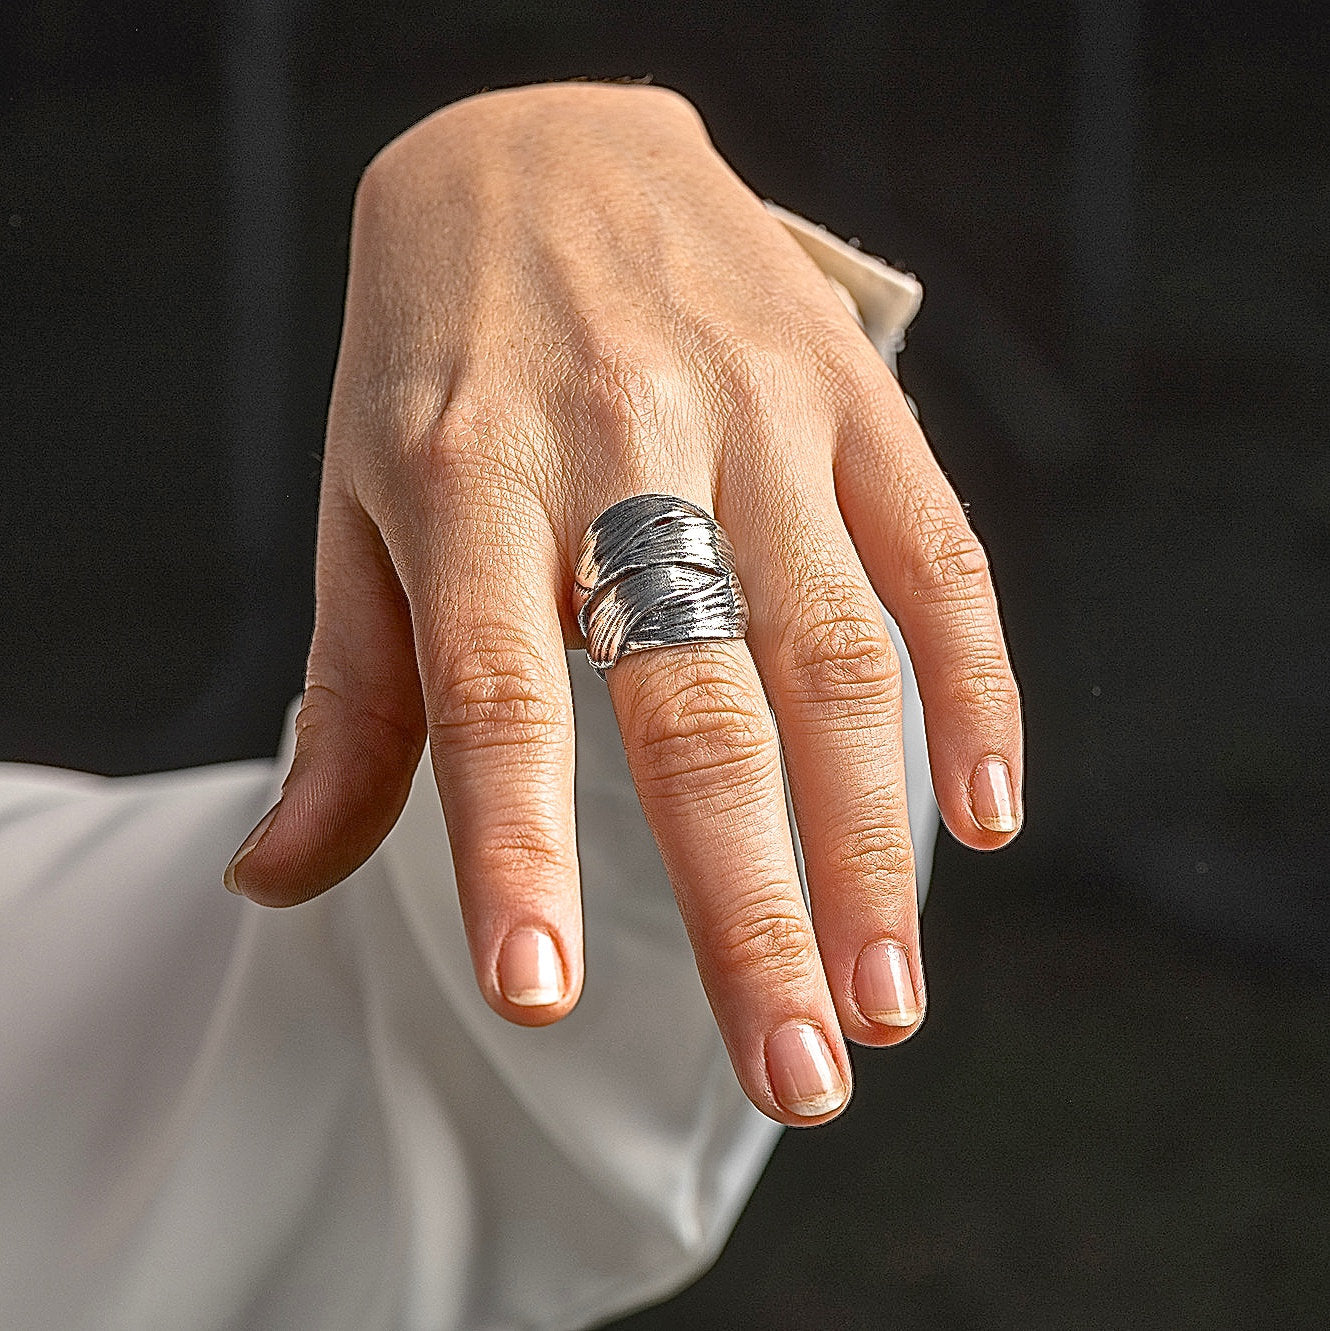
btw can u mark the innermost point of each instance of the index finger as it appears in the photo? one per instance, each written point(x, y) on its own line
point(489, 644)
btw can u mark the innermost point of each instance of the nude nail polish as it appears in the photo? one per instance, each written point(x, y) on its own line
point(804, 1076)
point(530, 973)
point(883, 987)
point(991, 796)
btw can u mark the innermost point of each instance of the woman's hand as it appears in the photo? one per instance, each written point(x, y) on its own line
point(560, 296)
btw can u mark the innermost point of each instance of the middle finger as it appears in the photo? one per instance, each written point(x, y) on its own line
point(704, 756)
point(821, 643)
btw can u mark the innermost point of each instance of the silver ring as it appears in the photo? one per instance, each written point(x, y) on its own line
point(654, 571)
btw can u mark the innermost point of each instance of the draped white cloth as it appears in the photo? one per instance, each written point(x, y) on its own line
point(224, 1118)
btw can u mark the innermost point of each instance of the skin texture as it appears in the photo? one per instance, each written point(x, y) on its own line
point(560, 296)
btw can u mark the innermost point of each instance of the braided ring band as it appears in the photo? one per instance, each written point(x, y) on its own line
point(653, 571)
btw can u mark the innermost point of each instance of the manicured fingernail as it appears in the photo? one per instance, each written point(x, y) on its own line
point(803, 1073)
point(883, 987)
point(252, 840)
point(991, 796)
point(530, 974)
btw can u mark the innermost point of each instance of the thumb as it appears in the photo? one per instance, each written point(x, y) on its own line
point(360, 729)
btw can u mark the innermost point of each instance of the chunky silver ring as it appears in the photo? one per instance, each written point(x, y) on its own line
point(654, 571)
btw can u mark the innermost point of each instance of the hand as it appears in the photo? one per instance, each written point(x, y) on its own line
point(560, 296)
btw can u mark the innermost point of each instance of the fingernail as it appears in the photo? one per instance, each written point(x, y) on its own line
point(991, 797)
point(530, 974)
point(252, 840)
point(803, 1073)
point(883, 987)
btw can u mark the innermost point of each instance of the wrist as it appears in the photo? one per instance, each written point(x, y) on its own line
point(581, 99)
point(568, 117)
point(558, 145)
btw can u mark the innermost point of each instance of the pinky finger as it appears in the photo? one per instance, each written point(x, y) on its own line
point(932, 573)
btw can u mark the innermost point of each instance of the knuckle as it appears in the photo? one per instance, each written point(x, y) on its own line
point(324, 704)
point(766, 938)
point(852, 372)
point(466, 435)
point(469, 460)
point(752, 384)
point(838, 649)
point(698, 730)
point(627, 399)
point(749, 378)
point(854, 377)
point(946, 557)
point(524, 853)
point(497, 695)
point(984, 686)
point(876, 854)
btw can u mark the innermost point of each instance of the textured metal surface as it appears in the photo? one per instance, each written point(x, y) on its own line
point(654, 571)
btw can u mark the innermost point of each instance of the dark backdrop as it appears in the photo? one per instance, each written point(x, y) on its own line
point(1116, 1115)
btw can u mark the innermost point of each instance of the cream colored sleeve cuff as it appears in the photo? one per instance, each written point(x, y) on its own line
point(884, 299)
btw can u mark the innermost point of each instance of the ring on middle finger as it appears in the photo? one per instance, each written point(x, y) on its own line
point(655, 570)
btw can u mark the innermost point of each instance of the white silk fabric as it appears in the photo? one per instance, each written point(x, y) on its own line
point(216, 1117)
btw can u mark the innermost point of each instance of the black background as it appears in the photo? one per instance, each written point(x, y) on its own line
point(1116, 1115)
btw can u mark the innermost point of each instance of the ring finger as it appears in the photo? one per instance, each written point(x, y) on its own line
point(705, 759)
